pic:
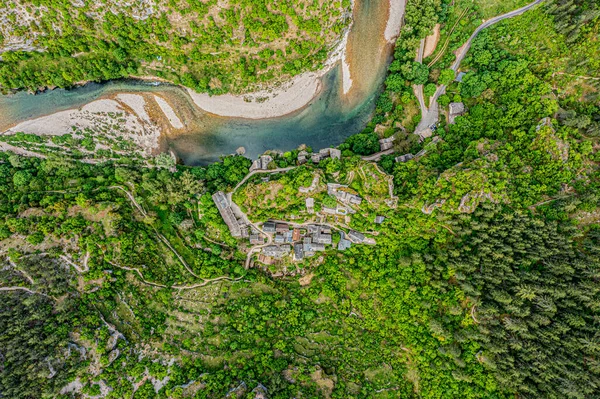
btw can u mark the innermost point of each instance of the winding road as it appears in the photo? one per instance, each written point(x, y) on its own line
point(430, 115)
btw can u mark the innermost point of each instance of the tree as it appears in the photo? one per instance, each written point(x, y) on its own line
point(446, 76)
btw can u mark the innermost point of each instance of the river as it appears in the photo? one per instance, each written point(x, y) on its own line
point(327, 120)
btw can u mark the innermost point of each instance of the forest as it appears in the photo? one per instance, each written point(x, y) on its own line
point(121, 280)
point(233, 46)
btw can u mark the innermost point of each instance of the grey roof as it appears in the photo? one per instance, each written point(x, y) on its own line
point(344, 244)
point(460, 76)
point(379, 219)
point(318, 247)
point(256, 239)
point(356, 236)
point(299, 251)
point(279, 239)
point(269, 227)
point(457, 108)
point(276, 251)
point(404, 158)
point(335, 153)
point(227, 214)
point(321, 238)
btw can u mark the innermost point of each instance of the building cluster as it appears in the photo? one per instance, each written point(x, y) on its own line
point(336, 190)
point(262, 163)
point(302, 242)
point(317, 157)
point(237, 227)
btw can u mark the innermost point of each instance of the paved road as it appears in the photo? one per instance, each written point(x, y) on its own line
point(465, 48)
point(377, 156)
point(431, 115)
point(249, 175)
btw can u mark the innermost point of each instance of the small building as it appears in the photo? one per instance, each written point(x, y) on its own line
point(325, 152)
point(302, 157)
point(333, 189)
point(455, 109)
point(316, 158)
point(317, 247)
point(379, 219)
point(269, 227)
point(459, 78)
point(310, 205)
point(356, 236)
point(279, 239)
point(335, 153)
point(344, 244)
point(296, 236)
point(355, 199)
point(322, 238)
point(404, 158)
point(220, 200)
point(262, 163)
point(386, 144)
point(256, 239)
point(282, 228)
point(265, 160)
point(289, 236)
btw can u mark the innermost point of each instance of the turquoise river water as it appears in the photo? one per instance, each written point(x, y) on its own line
point(330, 118)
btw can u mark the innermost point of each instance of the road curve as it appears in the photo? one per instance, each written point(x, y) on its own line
point(431, 115)
point(486, 24)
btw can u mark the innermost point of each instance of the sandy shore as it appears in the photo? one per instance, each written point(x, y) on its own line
point(99, 116)
point(346, 73)
point(137, 103)
point(392, 30)
point(169, 112)
point(264, 104)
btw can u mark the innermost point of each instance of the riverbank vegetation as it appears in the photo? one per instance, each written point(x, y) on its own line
point(483, 282)
point(233, 46)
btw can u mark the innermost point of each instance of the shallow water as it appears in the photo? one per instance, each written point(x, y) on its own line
point(326, 121)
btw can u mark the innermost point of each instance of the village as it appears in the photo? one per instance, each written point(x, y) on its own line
point(286, 241)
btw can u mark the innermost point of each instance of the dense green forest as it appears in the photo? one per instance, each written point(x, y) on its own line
point(122, 281)
point(210, 46)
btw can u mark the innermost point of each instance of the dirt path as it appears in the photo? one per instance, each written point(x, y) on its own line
point(204, 282)
point(27, 290)
point(79, 269)
point(159, 235)
point(447, 42)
